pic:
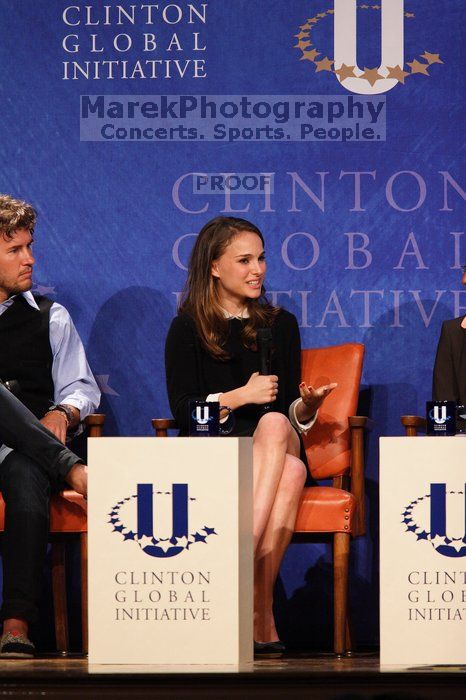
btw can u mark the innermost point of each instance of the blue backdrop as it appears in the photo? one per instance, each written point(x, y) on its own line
point(372, 258)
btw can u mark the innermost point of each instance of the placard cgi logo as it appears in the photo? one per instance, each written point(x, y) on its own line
point(439, 517)
point(439, 415)
point(133, 519)
point(344, 65)
point(201, 415)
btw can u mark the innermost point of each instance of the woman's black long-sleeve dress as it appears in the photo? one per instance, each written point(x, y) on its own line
point(192, 373)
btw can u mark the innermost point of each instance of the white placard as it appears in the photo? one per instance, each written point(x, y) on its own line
point(423, 550)
point(170, 551)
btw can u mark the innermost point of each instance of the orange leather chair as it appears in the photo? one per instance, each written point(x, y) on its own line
point(68, 515)
point(335, 450)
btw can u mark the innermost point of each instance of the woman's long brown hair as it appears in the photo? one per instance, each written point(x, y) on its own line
point(200, 296)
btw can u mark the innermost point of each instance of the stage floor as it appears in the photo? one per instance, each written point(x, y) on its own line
point(310, 676)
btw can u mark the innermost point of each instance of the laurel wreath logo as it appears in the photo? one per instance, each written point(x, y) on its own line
point(448, 546)
point(121, 515)
point(310, 52)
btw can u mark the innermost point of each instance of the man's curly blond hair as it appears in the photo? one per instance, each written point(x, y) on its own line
point(15, 214)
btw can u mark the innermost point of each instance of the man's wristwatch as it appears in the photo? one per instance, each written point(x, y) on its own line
point(66, 410)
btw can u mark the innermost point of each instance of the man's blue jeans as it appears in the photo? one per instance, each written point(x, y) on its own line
point(27, 474)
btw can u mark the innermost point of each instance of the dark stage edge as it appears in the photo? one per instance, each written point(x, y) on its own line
point(311, 676)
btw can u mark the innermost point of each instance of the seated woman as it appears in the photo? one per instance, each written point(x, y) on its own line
point(211, 354)
point(449, 380)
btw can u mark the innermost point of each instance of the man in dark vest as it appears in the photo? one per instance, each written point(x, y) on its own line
point(449, 380)
point(42, 355)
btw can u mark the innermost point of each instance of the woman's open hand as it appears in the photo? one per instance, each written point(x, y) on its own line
point(314, 398)
point(261, 389)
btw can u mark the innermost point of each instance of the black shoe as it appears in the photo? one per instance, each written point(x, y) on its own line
point(269, 649)
point(16, 646)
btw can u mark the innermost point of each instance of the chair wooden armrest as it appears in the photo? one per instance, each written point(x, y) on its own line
point(94, 424)
point(163, 425)
point(361, 422)
point(413, 424)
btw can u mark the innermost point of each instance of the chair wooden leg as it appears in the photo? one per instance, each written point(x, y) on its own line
point(341, 547)
point(59, 596)
point(84, 625)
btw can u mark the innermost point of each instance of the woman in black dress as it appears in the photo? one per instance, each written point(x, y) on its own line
point(211, 354)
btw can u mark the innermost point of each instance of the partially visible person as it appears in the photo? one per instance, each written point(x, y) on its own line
point(23, 432)
point(211, 354)
point(449, 380)
point(40, 350)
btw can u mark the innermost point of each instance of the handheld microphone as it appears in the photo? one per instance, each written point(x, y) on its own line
point(265, 346)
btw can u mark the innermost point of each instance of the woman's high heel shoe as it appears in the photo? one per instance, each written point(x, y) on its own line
point(269, 649)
